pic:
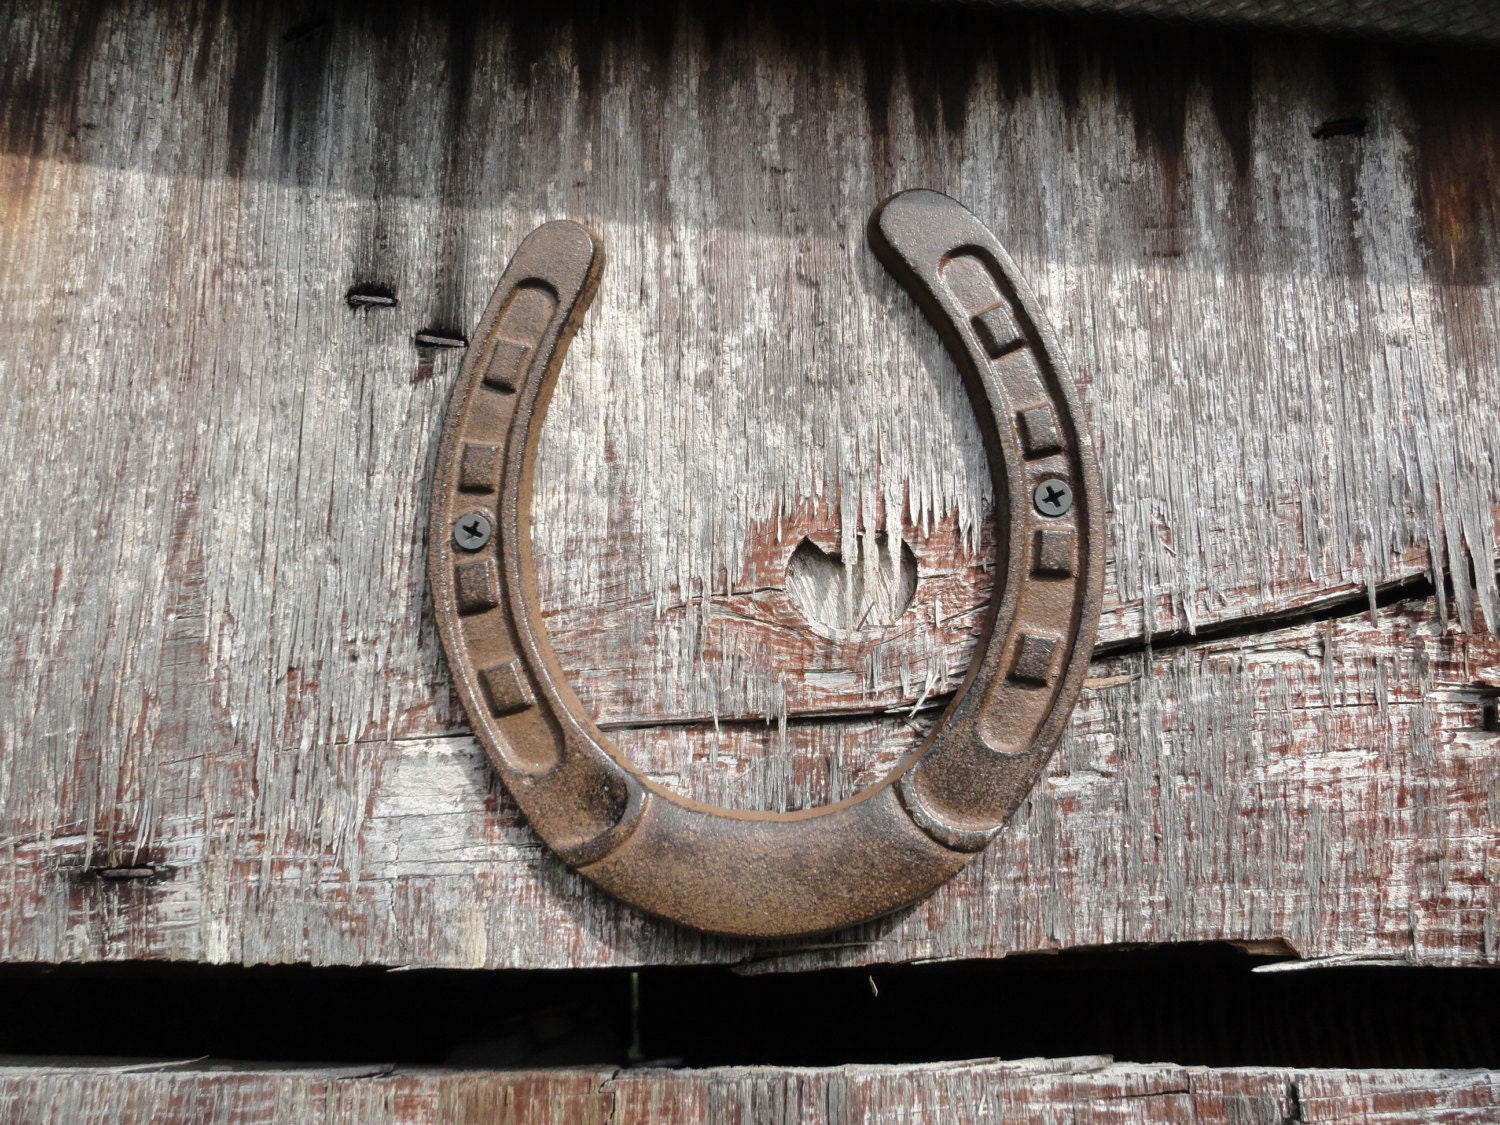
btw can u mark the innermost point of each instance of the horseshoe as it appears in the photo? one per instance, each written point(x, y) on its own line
point(760, 874)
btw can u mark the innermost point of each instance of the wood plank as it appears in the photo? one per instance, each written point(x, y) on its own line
point(1093, 1089)
point(215, 643)
point(188, 1093)
point(1327, 790)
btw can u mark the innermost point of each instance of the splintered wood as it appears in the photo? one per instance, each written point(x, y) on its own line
point(1055, 1091)
point(763, 514)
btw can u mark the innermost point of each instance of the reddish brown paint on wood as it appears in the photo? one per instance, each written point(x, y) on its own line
point(215, 646)
point(1326, 789)
point(741, 638)
point(1055, 1091)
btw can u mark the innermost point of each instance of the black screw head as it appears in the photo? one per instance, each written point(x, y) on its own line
point(1052, 496)
point(472, 531)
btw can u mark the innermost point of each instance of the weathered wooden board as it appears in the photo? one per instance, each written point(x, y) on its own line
point(215, 643)
point(1055, 1091)
point(1328, 789)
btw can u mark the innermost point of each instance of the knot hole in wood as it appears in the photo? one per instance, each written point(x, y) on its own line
point(842, 595)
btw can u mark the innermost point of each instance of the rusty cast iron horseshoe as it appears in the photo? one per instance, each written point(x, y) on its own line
point(757, 874)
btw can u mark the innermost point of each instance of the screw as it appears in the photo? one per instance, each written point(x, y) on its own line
point(1052, 497)
point(472, 530)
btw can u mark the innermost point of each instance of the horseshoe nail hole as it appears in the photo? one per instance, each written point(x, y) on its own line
point(871, 591)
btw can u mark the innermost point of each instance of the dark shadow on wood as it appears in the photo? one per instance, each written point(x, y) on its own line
point(1196, 1004)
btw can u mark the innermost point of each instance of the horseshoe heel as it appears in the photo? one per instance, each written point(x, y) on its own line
point(774, 874)
point(1003, 724)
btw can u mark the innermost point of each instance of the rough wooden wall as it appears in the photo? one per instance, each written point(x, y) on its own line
point(215, 641)
point(1054, 1091)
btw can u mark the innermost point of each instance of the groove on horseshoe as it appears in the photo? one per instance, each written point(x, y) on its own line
point(759, 874)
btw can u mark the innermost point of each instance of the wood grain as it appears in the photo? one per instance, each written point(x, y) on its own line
point(1327, 790)
point(1056, 1091)
point(215, 642)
